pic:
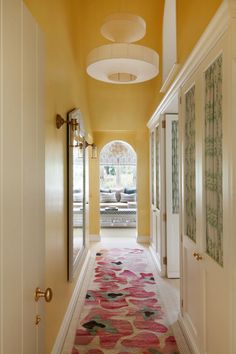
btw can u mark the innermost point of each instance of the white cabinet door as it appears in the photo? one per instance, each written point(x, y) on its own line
point(206, 203)
point(172, 195)
point(22, 212)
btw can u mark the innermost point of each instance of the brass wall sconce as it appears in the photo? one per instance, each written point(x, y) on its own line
point(85, 144)
point(76, 136)
point(74, 128)
point(73, 123)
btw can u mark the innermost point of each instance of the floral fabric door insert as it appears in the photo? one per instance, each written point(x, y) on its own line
point(189, 165)
point(157, 168)
point(213, 161)
point(175, 166)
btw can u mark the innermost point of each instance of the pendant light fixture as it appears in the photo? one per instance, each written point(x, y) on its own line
point(123, 62)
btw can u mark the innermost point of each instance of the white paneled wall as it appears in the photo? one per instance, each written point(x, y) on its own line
point(21, 178)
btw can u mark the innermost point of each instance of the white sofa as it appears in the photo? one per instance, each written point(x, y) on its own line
point(118, 208)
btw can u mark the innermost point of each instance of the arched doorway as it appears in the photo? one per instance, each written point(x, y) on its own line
point(118, 193)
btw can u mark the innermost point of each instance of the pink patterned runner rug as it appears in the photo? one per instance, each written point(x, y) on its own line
point(122, 313)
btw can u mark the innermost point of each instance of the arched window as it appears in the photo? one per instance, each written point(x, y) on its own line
point(117, 166)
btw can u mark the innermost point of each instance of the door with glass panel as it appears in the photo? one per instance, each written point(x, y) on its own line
point(172, 195)
point(193, 273)
point(205, 206)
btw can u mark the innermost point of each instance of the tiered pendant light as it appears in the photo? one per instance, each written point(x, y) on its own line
point(123, 62)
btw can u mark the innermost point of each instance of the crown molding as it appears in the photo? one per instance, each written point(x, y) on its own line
point(216, 28)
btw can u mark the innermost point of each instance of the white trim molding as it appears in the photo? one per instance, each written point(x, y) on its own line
point(94, 238)
point(59, 342)
point(161, 270)
point(185, 329)
point(216, 28)
point(143, 239)
point(170, 77)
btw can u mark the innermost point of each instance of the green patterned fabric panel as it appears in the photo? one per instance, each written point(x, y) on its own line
point(175, 167)
point(157, 169)
point(213, 161)
point(152, 166)
point(189, 165)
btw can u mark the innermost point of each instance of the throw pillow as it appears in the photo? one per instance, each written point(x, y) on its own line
point(125, 198)
point(108, 197)
point(130, 190)
point(117, 191)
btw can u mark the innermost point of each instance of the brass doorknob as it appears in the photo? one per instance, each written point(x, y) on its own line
point(47, 294)
point(197, 256)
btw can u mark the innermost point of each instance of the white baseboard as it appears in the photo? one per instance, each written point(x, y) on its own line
point(95, 238)
point(173, 275)
point(157, 262)
point(59, 342)
point(187, 334)
point(143, 239)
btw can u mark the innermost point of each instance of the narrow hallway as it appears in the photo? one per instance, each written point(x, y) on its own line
point(129, 308)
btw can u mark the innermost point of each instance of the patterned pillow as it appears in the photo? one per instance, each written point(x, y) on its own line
point(125, 198)
point(108, 197)
point(117, 191)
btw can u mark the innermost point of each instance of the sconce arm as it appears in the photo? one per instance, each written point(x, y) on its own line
point(60, 121)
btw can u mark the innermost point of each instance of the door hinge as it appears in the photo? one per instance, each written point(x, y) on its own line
point(164, 217)
point(163, 124)
point(180, 100)
point(165, 260)
point(182, 303)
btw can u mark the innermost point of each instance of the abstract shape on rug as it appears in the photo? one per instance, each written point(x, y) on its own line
point(122, 313)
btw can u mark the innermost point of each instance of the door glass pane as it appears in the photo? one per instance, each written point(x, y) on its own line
point(157, 168)
point(213, 161)
point(189, 166)
point(175, 167)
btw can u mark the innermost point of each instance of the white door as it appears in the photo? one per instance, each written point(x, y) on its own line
point(158, 195)
point(206, 206)
point(21, 180)
point(193, 273)
point(172, 196)
point(153, 192)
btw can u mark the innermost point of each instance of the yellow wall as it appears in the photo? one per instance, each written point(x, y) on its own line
point(192, 19)
point(140, 142)
point(64, 84)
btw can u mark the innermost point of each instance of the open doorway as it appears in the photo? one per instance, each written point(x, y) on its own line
point(118, 192)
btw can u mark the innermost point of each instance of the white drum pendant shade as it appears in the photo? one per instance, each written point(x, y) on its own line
point(123, 28)
point(122, 63)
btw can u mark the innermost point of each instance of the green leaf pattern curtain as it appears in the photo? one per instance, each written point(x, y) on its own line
point(213, 161)
point(189, 165)
point(175, 167)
